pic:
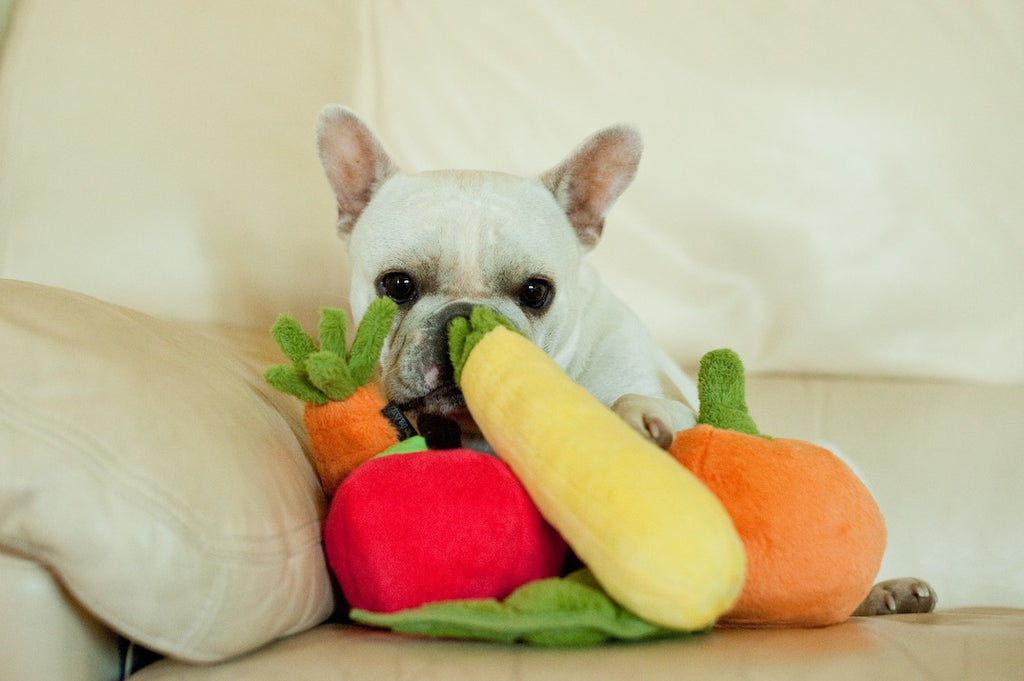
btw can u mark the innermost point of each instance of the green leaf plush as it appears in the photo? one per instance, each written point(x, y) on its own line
point(570, 611)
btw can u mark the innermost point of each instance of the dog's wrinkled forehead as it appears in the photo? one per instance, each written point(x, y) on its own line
point(467, 230)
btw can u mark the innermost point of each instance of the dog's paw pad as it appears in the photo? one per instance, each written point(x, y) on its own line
point(898, 596)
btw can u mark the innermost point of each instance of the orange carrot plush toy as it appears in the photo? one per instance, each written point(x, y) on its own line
point(347, 419)
point(812, 532)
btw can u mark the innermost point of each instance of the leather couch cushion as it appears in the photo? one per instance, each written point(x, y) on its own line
point(978, 643)
point(158, 477)
point(46, 636)
point(826, 187)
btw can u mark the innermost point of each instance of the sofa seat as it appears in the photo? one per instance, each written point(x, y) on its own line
point(967, 643)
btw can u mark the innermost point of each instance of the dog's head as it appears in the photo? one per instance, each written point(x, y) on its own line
point(438, 243)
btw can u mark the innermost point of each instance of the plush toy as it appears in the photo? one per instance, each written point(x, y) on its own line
point(417, 549)
point(347, 419)
point(657, 540)
point(407, 529)
point(406, 525)
point(813, 534)
point(569, 611)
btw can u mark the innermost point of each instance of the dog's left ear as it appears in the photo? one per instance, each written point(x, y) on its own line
point(588, 182)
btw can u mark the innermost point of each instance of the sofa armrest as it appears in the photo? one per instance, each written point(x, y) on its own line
point(156, 477)
point(46, 634)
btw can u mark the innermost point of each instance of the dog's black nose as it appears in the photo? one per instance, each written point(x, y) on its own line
point(451, 311)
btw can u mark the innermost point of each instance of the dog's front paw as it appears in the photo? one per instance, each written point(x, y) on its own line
point(649, 416)
point(896, 596)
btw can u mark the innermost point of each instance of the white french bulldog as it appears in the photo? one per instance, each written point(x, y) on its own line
point(440, 242)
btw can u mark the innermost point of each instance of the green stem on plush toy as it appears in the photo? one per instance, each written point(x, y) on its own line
point(324, 375)
point(464, 334)
point(369, 341)
point(722, 389)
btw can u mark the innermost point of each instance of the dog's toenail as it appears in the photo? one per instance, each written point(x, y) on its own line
point(890, 603)
point(921, 591)
point(658, 432)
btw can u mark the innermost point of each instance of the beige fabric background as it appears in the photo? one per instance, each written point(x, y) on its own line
point(826, 188)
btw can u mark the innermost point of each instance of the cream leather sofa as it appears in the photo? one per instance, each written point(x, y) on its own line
point(832, 189)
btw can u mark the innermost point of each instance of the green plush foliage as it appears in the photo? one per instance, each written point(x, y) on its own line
point(332, 330)
point(369, 340)
point(721, 387)
point(288, 380)
point(329, 373)
point(319, 375)
point(410, 445)
point(293, 341)
point(464, 334)
point(558, 612)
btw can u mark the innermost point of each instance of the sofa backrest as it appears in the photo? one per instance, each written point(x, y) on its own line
point(827, 187)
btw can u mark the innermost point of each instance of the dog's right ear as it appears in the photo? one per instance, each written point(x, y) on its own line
point(354, 160)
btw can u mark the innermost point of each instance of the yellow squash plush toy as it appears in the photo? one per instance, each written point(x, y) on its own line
point(657, 540)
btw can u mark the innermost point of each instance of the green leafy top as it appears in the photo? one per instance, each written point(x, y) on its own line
point(721, 387)
point(319, 375)
point(464, 334)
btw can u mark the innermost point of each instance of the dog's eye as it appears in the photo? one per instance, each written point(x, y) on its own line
point(398, 286)
point(535, 294)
